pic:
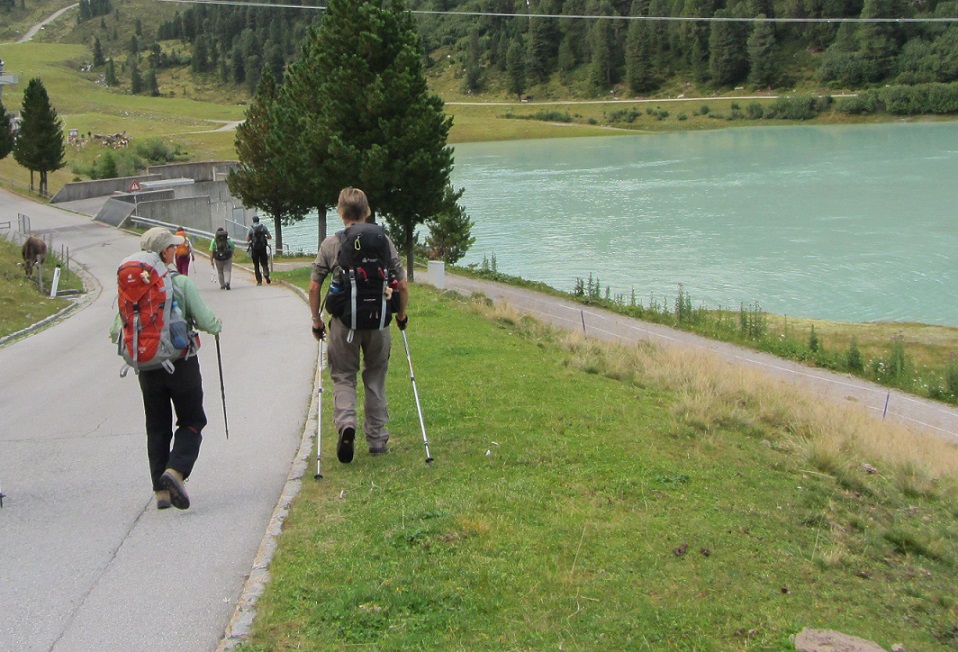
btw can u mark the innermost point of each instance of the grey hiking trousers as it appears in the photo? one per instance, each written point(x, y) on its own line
point(344, 365)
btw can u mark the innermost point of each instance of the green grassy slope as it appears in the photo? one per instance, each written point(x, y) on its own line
point(603, 499)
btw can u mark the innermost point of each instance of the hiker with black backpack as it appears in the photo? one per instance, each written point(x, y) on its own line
point(158, 310)
point(368, 286)
point(258, 246)
point(221, 257)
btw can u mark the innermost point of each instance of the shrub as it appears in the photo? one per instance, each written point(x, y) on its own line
point(853, 358)
point(798, 107)
point(754, 111)
point(865, 102)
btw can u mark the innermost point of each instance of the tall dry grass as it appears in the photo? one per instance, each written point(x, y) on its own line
point(713, 394)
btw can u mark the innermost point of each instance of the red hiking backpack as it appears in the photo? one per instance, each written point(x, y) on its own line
point(154, 332)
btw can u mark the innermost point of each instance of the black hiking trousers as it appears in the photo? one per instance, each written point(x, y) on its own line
point(163, 393)
point(260, 259)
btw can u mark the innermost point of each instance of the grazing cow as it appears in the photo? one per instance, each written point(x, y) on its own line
point(34, 252)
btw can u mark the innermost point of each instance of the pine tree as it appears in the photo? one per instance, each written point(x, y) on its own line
point(136, 80)
point(639, 70)
point(260, 179)
point(728, 56)
point(450, 231)
point(39, 145)
point(516, 67)
point(600, 69)
point(150, 84)
point(109, 75)
point(6, 135)
point(98, 59)
point(368, 117)
point(761, 54)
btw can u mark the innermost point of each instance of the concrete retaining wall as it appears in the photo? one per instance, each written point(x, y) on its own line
point(149, 195)
point(201, 171)
point(98, 188)
point(114, 212)
point(191, 212)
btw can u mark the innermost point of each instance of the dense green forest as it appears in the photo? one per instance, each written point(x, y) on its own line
point(560, 48)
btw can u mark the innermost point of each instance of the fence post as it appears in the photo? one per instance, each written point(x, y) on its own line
point(55, 283)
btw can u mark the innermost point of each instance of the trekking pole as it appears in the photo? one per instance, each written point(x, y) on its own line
point(415, 392)
point(319, 410)
point(219, 362)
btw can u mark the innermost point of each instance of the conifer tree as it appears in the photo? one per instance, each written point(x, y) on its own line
point(516, 67)
point(728, 56)
point(98, 59)
point(260, 179)
point(368, 118)
point(136, 79)
point(109, 76)
point(639, 70)
point(150, 83)
point(761, 54)
point(39, 144)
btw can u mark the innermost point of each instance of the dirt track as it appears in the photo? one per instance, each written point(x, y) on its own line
point(880, 402)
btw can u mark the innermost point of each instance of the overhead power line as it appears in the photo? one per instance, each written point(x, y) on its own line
point(682, 19)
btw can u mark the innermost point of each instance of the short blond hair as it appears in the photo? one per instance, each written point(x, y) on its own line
point(353, 205)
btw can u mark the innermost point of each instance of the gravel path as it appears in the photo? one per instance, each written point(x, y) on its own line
point(881, 402)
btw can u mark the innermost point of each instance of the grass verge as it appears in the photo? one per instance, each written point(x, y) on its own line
point(21, 304)
point(596, 497)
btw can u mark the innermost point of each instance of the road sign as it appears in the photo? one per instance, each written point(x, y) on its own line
point(135, 186)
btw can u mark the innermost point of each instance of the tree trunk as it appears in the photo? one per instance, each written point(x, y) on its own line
point(278, 228)
point(321, 226)
point(410, 276)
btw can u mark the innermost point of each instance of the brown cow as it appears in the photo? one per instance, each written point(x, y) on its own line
point(34, 252)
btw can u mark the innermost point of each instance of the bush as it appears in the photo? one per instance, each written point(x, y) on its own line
point(754, 111)
point(626, 115)
point(853, 358)
point(798, 107)
point(864, 103)
point(155, 151)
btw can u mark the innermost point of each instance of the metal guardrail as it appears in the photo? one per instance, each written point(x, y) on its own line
point(196, 233)
point(203, 234)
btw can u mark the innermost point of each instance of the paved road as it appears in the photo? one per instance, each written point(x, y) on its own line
point(86, 560)
point(46, 21)
point(919, 413)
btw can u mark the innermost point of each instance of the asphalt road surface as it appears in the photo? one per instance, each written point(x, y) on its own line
point(87, 562)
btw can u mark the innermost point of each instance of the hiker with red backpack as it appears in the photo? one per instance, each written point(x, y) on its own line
point(159, 310)
point(368, 285)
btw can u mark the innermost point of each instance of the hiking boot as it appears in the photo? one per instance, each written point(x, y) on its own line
point(163, 499)
point(259, 282)
point(172, 481)
point(227, 286)
point(268, 281)
point(344, 447)
point(379, 450)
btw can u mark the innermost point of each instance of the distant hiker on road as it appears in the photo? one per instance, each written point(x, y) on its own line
point(221, 257)
point(184, 253)
point(368, 285)
point(257, 237)
point(153, 301)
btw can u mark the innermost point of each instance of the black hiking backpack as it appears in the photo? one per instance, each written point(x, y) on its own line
point(258, 242)
point(222, 250)
point(361, 295)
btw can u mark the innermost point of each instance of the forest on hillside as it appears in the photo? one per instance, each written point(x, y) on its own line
point(581, 48)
